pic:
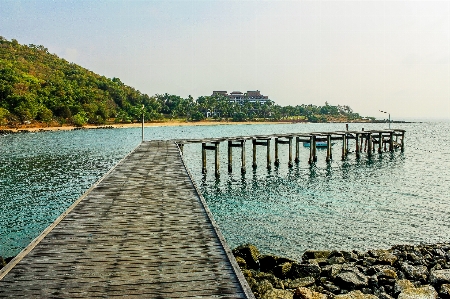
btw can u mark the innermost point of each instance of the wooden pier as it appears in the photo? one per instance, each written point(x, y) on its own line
point(364, 141)
point(143, 231)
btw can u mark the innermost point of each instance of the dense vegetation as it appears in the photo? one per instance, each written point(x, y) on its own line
point(36, 86)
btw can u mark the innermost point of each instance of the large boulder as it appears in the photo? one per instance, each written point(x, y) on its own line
point(444, 291)
point(304, 270)
point(351, 278)
point(418, 273)
point(301, 282)
point(305, 293)
point(424, 292)
point(277, 294)
point(315, 254)
point(267, 263)
point(438, 277)
point(355, 295)
point(250, 254)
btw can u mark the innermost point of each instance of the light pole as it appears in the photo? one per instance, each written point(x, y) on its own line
point(389, 118)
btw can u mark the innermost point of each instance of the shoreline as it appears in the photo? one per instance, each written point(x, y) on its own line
point(39, 127)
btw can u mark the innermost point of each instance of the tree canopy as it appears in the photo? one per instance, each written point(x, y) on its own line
point(37, 86)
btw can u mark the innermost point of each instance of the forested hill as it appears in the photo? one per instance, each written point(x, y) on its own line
point(39, 87)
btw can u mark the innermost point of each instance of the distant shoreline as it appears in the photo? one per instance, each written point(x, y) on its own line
point(42, 128)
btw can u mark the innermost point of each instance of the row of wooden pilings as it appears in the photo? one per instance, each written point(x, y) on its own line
point(365, 141)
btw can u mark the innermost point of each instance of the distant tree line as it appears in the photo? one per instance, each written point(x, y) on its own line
point(37, 86)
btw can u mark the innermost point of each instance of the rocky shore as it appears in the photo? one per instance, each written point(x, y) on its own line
point(403, 272)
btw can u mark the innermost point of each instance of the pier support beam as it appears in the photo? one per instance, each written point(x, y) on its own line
point(243, 156)
point(403, 142)
point(230, 156)
point(290, 152)
point(369, 144)
point(297, 150)
point(254, 153)
point(329, 155)
point(344, 146)
point(214, 147)
point(380, 140)
point(203, 158)
point(269, 162)
point(277, 159)
point(358, 149)
point(265, 142)
point(391, 141)
point(216, 159)
point(312, 150)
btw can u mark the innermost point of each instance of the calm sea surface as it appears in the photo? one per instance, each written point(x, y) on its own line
point(355, 204)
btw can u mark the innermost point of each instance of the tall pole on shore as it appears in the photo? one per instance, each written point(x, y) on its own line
point(142, 122)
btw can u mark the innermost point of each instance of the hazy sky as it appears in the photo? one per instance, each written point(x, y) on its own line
point(370, 55)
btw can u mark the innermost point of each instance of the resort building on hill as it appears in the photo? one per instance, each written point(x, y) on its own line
point(251, 96)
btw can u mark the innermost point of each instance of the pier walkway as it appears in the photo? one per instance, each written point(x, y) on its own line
point(142, 232)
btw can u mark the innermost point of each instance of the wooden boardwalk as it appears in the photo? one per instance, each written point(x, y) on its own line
point(141, 232)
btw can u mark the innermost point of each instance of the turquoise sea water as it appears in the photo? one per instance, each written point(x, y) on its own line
point(353, 204)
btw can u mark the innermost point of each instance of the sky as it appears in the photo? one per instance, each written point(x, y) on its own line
point(392, 56)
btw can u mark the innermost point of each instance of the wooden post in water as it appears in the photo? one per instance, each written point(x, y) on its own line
point(358, 155)
point(290, 152)
point(230, 156)
point(314, 149)
point(203, 157)
point(243, 156)
point(181, 146)
point(369, 144)
point(216, 160)
point(344, 146)
point(269, 163)
point(328, 148)
point(297, 150)
point(391, 141)
point(277, 159)
point(254, 153)
point(403, 142)
point(380, 140)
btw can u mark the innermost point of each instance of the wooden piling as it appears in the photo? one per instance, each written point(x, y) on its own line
point(380, 140)
point(369, 144)
point(269, 163)
point(358, 149)
point(328, 159)
point(290, 152)
point(403, 142)
point(344, 146)
point(243, 156)
point(391, 141)
point(217, 159)
point(297, 150)
point(277, 159)
point(254, 153)
point(203, 157)
point(230, 156)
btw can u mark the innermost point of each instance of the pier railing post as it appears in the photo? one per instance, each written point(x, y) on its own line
point(217, 160)
point(391, 141)
point(290, 152)
point(344, 146)
point(297, 150)
point(243, 156)
point(403, 142)
point(369, 144)
point(230, 156)
point(277, 160)
point(254, 153)
point(357, 146)
point(269, 162)
point(203, 157)
point(328, 159)
point(380, 140)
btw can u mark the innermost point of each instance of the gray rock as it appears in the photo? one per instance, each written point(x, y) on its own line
point(282, 271)
point(315, 254)
point(301, 282)
point(351, 279)
point(336, 260)
point(331, 287)
point(440, 276)
point(424, 292)
point(267, 263)
point(401, 285)
point(304, 270)
point(250, 254)
point(444, 291)
point(355, 295)
point(419, 273)
point(277, 294)
point(305, 293)
point(385, 296)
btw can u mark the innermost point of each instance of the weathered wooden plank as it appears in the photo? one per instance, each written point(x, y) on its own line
point(143, 231)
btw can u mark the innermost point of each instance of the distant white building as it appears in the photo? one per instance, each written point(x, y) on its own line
point(251, 96)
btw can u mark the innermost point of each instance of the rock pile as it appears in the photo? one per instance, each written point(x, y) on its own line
point(403, 272)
